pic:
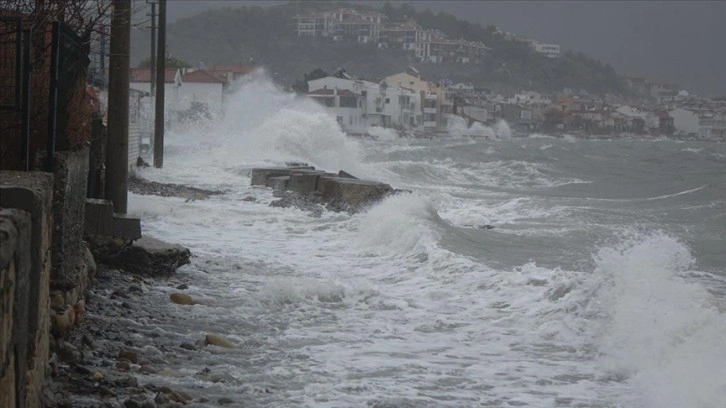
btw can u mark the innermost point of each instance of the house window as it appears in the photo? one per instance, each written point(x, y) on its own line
point(388, 100)
point(339, 119)
point(329, 102)
point(348, 102)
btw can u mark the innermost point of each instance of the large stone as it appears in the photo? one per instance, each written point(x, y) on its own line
point(151, 257)
point(260, 175)
point(352, 194)
point(182, 299)
point(217, 340)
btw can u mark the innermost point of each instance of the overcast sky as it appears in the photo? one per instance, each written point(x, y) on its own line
point(678, 41)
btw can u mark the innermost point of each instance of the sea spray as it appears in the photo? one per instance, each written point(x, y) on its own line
point(662, 332)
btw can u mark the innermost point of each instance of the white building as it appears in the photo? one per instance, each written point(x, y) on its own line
point(201, 91)
point(713, 126)
point(685, 122)
point(548, 50)
point(376, 104)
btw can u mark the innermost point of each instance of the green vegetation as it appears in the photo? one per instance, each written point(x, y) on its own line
point(266, 36)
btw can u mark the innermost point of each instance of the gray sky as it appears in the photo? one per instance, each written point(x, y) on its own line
point(678, 41)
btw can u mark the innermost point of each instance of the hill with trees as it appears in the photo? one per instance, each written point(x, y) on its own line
point(266, 36)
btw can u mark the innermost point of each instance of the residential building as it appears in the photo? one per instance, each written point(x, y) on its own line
point(312, 24)
point(548, 50)
point(685, 122)
point(402, 35)
point(233, 72)
point(713, 126)
point(346, 105)
point(665, 123)
point(435, 107)
point(663, 90)
point(378, 104)
point(202, 93)
point(343, 24)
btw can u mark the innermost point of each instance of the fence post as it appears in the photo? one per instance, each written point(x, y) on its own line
point(53, 96)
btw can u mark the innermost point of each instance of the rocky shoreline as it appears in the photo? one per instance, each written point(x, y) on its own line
point(124, 348)
point(118, 355)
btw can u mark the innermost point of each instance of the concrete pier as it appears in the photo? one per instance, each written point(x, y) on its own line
point(338, 191)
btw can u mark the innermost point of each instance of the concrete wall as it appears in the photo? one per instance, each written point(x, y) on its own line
point(69, 203)
point(26, 227)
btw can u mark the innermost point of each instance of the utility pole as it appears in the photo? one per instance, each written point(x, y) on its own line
point(117, 145)
point(160, 80)
point(152, 68)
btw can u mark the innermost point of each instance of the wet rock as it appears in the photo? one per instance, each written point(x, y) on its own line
point(136, 402)
point(187, 346)
point(183, 286)
point(176, 396)
point(97, 376)
point(150, 257)
point(135, 288)
point(128, 355)
point(249, 199)
point(79, 310)
point(126, 382)
point(57, 302)
point(223, 378)
point(181, 298)
point(146, 187)
point(147, 369)
point(82, 370)
point(123, 365)
point(62, 322)
point(225, 401)
point(218, 340)
point(298, 201)
point(67, 352)
point(161, 398)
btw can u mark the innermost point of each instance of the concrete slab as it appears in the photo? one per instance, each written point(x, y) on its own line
point(260, 175)
point(353, 193)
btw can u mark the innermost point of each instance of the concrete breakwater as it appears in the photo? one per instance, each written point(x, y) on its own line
point(307, 188)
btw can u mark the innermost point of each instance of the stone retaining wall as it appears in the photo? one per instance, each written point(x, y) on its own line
point(25, 261)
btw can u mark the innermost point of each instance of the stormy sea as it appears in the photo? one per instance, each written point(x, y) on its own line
point(538, 271)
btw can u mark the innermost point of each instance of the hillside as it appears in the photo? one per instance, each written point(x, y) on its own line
point(266, 36)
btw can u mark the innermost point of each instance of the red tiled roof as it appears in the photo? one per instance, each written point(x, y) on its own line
point(144, 75)
point(322, 92)
point(331, 92)
point(201, 76)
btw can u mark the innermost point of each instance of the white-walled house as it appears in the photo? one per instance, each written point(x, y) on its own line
point(377, 104)
point(201, 90)
point(685, 121)
point(345, 105)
